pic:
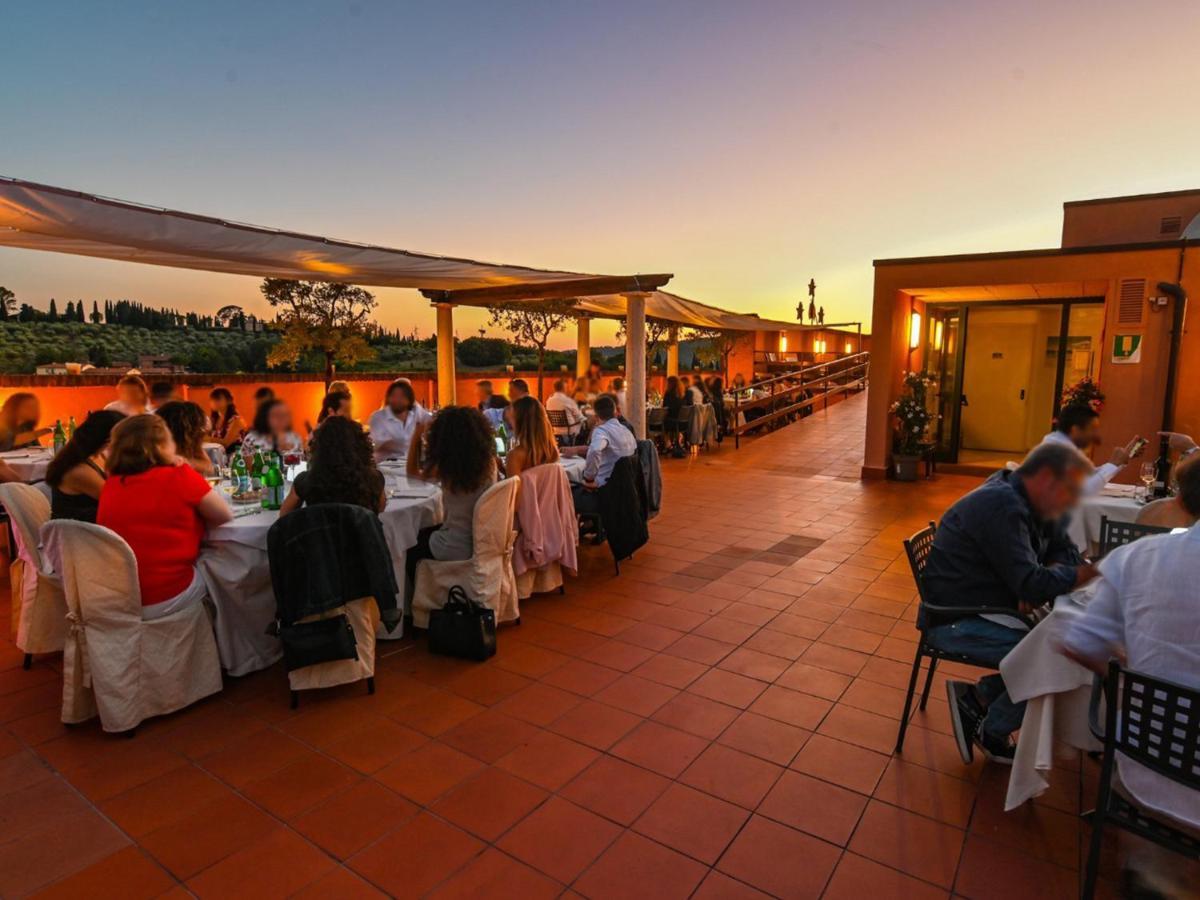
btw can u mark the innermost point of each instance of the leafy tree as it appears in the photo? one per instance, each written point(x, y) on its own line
point(532, 324)
point(98, 356)
point(52, 313)
point(330, 317)
point(482, 351)
point(715, 347)
point(8, 303)
point(657, 331)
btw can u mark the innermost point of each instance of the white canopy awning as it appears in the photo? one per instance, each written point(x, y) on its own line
point(39, 217)
point(688, 313)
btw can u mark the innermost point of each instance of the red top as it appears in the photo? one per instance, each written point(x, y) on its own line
point(155, 512)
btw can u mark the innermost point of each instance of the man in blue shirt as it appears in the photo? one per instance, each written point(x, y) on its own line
point(609, 442)
point(1002, 546)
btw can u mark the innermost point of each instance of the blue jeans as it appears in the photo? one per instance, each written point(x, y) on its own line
point(986, 642)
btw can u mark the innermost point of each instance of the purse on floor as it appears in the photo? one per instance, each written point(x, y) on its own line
point(322, 640)
point(462, 628)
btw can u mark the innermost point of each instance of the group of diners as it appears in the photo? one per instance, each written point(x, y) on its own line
point(1003, 548)
point(143, 470)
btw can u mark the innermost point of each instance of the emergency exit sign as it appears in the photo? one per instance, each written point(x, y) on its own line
point(1127, 348)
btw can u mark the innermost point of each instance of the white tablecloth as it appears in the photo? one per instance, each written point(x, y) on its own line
point(30, 465)
point(235, 567)
point(574, 467)
point(1116, 502)
point(1056, 692)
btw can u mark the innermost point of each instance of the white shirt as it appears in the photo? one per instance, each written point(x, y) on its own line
point(1146, 602)
point(1105, 472)
point(391, 434)
point(560, 401)
point(610, 441)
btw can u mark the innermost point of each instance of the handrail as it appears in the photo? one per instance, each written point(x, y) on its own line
point(846, 366)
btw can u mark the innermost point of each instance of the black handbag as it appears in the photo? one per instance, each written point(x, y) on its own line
point(462, 628)
point(322, 640)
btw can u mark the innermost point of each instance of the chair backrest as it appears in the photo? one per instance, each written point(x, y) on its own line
point(29, 510)
point(918, 547)
point(492, 522)
point(1114, 534)
point(1158, 724)
point(557, 417)
point(655, 416)
point(99, 571)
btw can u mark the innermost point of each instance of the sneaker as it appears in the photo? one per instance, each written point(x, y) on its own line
point(997, 750)
point(966, 715)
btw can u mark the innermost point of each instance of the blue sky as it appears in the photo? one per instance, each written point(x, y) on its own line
point(745, 147)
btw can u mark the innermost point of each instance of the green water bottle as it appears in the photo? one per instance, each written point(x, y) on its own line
point(502, 434)
point(71, 428)
point(239, 476)
point(272, 485)
point(60, 436)
point(257, 469)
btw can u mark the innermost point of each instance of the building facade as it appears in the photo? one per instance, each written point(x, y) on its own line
point(1003, 334)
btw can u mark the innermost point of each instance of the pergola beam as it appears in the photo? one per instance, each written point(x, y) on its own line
point(551, 290)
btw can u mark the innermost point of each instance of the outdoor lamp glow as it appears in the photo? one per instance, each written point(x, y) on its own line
point(937, 335)
point(783, 342)
point(914, 331)
point(849, 348)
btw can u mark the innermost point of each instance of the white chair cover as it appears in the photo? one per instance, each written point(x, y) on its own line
point(39, 611)
point(116, 663)
point(487, 577)
point(364, 617)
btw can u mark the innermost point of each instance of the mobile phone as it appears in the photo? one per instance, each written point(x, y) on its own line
point(1138, 446)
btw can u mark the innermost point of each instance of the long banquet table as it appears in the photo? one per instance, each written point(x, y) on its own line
point(29, 464)
point(237, 572)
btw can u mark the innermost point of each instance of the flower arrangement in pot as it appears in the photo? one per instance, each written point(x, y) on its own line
point(911, 422)
point(1084, 392)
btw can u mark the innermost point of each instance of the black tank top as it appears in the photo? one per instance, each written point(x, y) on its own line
point(79, 507)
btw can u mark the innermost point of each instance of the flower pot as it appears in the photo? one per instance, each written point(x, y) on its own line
point(906, 466)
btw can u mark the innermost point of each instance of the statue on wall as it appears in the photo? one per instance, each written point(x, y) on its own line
point(821, 316)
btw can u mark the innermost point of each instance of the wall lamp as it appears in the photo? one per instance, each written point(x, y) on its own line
point(914, 330)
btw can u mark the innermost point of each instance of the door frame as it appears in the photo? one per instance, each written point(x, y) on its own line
point(963, 309)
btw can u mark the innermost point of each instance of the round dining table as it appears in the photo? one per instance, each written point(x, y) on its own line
point(237, 572)
point(1117, 502)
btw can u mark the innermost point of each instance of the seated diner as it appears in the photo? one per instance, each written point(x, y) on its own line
point(609, 442)
point(161, 507)
point(19, 422)
point(457, 451)
point(1002, 545)
point(341, 469)
point(534, 443)
point(393, 426)
point(76, 475)
point(272, 431)
point(188, 426)
point(225, 426)
point(133, 397)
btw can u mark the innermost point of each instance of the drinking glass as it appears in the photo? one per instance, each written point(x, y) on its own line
point(1146, 474)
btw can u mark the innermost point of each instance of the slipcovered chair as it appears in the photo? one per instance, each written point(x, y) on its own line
point(39, 611)
point(547, 533)
point(115, 663)
point(488, 576)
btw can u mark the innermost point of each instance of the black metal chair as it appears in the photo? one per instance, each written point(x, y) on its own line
point(656, 418)
point(1155, 723)
point(558, 419)
point(1115, 534)
point(918, 548)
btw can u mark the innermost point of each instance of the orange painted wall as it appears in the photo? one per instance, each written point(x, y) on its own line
point(1135, 392)
point(63, 397)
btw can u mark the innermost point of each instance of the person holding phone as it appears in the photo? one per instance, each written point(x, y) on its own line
point(1078, 426)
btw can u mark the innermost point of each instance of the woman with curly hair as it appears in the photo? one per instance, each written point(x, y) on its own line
point(341, 469)
point(457, 450)
point(188, 426)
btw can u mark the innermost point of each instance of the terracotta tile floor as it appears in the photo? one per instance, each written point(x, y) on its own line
point(717, 721)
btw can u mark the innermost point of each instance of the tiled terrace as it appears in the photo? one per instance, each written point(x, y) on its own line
point(716, 722)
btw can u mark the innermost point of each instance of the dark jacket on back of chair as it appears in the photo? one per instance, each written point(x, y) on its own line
point(326, 555)
point(647, 455)
point(623, 508)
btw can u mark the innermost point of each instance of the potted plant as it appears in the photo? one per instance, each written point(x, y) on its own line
point(912, 418)
point(1083, 393)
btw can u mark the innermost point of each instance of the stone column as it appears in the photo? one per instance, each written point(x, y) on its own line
point(635, 362)
point(445, 354)
point(583, 359)
point(673, 351)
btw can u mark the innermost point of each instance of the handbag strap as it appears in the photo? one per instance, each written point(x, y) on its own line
point(457, 599)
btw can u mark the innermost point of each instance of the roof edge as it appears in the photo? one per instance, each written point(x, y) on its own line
point(1030, 254)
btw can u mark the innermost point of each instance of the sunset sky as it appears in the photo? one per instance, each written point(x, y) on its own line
point(744, 146)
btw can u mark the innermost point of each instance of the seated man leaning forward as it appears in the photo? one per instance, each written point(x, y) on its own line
point(609, 442)
point(1002, 545)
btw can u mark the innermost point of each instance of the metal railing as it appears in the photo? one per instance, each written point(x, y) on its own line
point(792, 392)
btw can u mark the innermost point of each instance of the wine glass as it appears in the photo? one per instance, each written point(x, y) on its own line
point(1146, 473)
